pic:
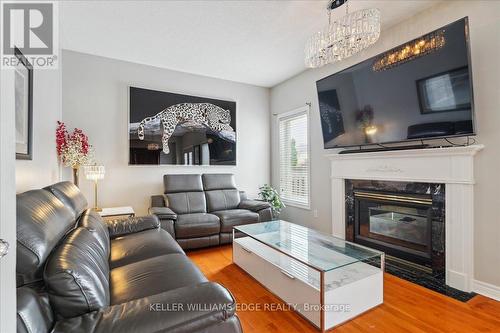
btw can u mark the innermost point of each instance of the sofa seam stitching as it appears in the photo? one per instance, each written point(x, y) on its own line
point(81, 289)
point(187, 203)
point(25, 321)
point(225, 199)
point(36, 253)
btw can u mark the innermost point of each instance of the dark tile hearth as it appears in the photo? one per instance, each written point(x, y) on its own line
point(424, 279)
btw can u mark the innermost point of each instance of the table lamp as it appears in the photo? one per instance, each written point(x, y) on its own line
point(95, 173)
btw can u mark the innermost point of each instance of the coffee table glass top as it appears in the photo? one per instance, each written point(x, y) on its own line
point(320, 251)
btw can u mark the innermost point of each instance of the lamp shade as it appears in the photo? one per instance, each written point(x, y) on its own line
point(94, 172)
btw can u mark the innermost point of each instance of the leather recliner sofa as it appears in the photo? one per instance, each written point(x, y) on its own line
point(201, 210)
point(79, 273)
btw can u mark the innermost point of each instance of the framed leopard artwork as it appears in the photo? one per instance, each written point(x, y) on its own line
point(170, 128)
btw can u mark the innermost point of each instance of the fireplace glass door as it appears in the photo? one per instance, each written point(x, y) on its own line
point(392, 225)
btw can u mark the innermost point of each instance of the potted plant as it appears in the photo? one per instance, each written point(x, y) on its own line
point(269, 194)
point(73, 149)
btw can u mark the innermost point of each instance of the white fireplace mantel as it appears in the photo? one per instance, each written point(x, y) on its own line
point(451, 166)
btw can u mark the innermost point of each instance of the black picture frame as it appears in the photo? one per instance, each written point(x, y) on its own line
point(457, 79)
point(188, 119)
point(23, 109)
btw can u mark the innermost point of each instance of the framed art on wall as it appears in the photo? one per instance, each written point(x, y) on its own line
point(167, 128)
point(23, 81)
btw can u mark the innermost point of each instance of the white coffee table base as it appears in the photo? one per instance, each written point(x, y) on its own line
point(348, 291)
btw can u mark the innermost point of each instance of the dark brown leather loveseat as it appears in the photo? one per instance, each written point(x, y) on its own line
point(201, 210)
point(78, 273)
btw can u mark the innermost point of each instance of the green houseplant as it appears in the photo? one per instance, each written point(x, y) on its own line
point(269, 194)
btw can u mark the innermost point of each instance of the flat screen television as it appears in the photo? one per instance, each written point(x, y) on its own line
point(385, 100)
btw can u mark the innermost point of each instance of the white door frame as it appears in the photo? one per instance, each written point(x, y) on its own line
point(7, 201)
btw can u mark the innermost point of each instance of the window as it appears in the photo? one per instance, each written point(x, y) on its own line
point(293, 131)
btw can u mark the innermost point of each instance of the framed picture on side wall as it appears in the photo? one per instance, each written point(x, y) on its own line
point(23, 81)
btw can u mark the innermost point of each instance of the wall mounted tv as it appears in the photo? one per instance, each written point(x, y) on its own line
point(385, 100)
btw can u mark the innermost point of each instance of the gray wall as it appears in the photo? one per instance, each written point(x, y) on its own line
point(95, 99)
point(484, 31)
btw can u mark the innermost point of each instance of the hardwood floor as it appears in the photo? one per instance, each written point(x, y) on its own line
point(407, 307)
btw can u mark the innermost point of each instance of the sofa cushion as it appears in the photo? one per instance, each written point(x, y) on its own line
point(142, 245)
point(77, 274)
point(234, 217)
point(153, 276)
point(222, 199)
point(214, 313)
point(186, 202)
point(91, 220)
point(182, 183)
point(33, 311)
point(42, 220)
point(218, 181)
point(70, 195)
point(124, 226)
point(196, 225)
point(198, 242)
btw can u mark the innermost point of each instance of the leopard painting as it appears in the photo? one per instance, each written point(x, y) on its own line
point(206, 114)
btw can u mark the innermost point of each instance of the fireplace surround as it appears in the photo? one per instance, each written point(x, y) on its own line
point(451, 166)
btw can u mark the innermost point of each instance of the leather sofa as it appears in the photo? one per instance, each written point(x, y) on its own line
point(79, 273)
point(201, 210)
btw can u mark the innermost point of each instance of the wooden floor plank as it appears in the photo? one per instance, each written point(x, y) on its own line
point(407, 307)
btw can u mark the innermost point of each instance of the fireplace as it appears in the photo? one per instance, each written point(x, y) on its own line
point(431, 171)
point(403, 219)
point(399, 225)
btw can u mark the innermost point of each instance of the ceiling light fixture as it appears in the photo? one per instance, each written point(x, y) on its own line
point(344, 37)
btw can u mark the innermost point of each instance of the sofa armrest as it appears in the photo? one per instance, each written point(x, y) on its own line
point(243, 195)
point(163, 213)
point(120, 227)
point(157, 201)
point(33, 311)
point(183, 310)
point(254, 205)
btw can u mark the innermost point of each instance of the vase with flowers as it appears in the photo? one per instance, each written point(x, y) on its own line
point(73, 149)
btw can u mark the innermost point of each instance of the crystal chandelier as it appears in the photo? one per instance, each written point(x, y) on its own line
point(409, 51)
point(344, 37)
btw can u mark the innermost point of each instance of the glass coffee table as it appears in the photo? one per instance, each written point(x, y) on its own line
point(324, 278)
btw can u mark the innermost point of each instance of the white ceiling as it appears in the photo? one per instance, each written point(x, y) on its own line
point(255, 42)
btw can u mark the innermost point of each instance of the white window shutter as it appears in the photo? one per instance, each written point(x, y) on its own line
point(293, 128)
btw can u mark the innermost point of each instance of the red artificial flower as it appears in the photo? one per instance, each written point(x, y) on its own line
point(61, 137)
point(72, 149)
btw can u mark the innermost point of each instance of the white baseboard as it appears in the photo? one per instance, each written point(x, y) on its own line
point(486, 289)
point(458, 280)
